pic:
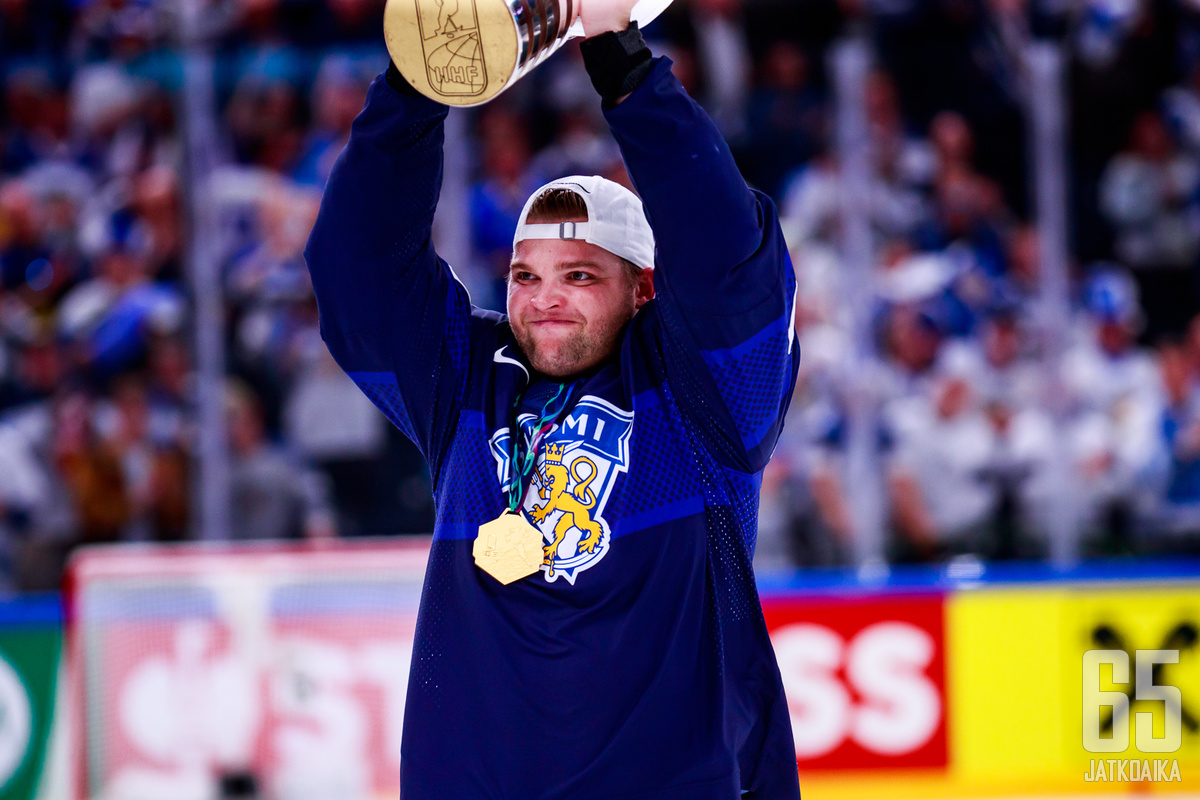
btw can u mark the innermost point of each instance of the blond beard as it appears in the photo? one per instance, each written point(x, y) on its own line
point(579, 353)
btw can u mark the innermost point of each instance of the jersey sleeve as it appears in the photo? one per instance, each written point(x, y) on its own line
point(391, 311)
point(725, 288)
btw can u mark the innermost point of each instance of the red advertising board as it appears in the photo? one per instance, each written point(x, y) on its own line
point(865, 679)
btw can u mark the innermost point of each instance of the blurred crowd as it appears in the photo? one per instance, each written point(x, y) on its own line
point(97, 364)
point(998, 431)
point(1002, 427)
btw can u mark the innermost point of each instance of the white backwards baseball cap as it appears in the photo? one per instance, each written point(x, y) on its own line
point(616, 221)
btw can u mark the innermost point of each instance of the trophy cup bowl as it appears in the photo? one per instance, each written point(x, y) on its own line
point(465, 52)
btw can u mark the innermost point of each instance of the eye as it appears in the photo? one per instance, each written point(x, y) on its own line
point(579, 276)
point(523, 276)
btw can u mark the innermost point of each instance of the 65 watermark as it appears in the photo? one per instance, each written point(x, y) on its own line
point(1106, 714)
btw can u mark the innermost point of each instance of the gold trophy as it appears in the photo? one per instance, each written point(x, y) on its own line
point(465, 52)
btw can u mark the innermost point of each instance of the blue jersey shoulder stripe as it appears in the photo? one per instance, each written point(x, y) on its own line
point(374, 377)
point(659, 516)
point(754, 379)
point(458, 530)
point(720, 356)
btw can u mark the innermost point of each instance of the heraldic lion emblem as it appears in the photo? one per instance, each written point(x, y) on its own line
point(575, 475)
point(576, 504)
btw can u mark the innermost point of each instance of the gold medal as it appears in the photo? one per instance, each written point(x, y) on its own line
point(508, 548)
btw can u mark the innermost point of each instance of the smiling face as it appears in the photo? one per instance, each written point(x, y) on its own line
point(568, 301)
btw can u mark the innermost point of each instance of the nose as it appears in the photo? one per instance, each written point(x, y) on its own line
point(546, 295)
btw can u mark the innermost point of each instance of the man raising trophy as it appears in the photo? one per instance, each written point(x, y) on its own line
point(589, 626)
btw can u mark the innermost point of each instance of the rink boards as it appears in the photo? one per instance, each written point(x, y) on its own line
point(291, 664)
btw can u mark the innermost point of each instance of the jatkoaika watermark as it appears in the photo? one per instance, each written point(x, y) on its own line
point(1159, 770)
point(1108, 731)
point(1106, 715)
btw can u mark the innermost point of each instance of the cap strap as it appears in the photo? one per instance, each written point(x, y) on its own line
point(554, 230)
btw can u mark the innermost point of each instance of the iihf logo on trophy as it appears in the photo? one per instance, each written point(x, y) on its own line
point(453, 51)
point(449, 65)
point(575, 475)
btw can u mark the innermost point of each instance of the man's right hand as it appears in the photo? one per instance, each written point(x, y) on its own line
point(602, 16)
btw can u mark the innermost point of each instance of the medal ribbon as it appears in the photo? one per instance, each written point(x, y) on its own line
point(523, 466)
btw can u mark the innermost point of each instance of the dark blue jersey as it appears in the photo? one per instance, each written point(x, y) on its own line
point(637, 664)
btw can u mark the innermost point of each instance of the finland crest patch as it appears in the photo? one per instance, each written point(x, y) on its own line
point(575, 474)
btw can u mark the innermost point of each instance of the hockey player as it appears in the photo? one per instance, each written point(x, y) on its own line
point(624, 409)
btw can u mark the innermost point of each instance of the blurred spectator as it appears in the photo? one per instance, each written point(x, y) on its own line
point(940, 503)
point(268, 282)
point(170, 387)
point(155, 477)
point(900, 157)
point(1021, 280)
point(40, 367)
point(114, 134)
point(22, 104)
point(945, 287)
point(786, 118)
point(1149, 194)
point(804, 514)
point(829, 539)
point(1114, 436)
point(811, 209)
point(1011, 388)
point(36, 117)
point(911, 343)
point(581, 144)
point(22, 491)
point(1007, 374)
point(723, 59)
point(92, 472)
point(264, 116)
point(36, 437)
point(787, 532)
point(968, 209)
point(20, 234)
point(113, 314)
point(123, 426)
point(274, 497)
point(1177, 524)
point(1182, 109)
point(498, 195)
point(155, 200)
point(117, 30)
point(336, 428)
point(337, 96)
point(902, 165)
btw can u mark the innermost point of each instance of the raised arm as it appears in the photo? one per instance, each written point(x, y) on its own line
point(707, 223)
point(391, 311)
point(724, 282)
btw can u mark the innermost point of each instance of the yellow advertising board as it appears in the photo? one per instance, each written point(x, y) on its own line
point(1017, 677)
point(1015, 690)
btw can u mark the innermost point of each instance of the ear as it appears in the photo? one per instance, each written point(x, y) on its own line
point(644, 291)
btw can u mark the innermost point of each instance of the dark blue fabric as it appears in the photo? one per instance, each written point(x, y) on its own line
point(637, 663)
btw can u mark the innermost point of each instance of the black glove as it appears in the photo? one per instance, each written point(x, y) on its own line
point(397, 81)
point(617, 62)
